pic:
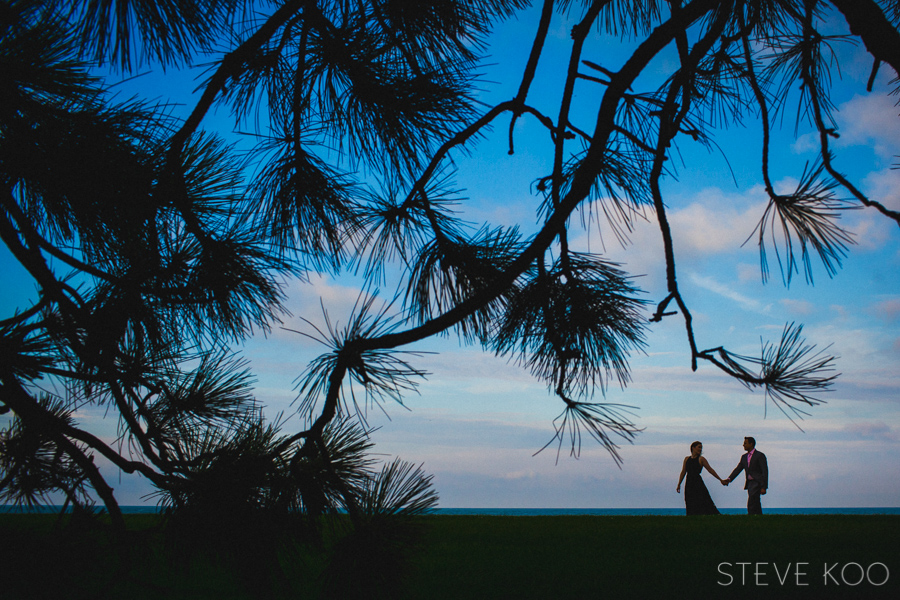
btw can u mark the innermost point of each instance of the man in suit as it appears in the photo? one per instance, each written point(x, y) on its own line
point(756, 471)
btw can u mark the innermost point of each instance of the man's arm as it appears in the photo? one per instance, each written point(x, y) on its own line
point(737, 470)
point(764, 469)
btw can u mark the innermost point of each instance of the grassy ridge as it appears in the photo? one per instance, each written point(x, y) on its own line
point(479, 557)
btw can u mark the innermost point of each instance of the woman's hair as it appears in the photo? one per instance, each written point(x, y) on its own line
point(695, 444)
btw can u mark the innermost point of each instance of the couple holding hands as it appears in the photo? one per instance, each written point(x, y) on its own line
point(696, 497)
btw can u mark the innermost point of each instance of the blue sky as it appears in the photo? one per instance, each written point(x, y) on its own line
point(478, 420)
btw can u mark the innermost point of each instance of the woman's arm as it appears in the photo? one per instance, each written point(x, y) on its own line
point(712, 471)
point(680, 477)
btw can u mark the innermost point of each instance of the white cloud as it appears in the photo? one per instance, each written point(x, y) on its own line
point(747, 272)
point(807, 142)
point(866, 360)
point(311, 300)
point(864, 120)
point(798, 307)
point(884, 187)
point(840, 311)
point(704, 226)
point(887, 310)
point(716, 221)
point(873, 430)
point(871, 230)
point(712, 285)
point(869, 120)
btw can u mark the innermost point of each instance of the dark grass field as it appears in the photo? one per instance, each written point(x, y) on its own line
point(542, 557)
point(658, 557)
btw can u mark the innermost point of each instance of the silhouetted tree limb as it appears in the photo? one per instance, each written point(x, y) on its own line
point(864, 26)
point(174, 249)
point(868, 21)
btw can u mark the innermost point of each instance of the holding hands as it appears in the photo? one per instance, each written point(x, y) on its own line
point(726, 481)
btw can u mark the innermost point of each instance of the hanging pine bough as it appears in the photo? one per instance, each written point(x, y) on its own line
point(154, 246)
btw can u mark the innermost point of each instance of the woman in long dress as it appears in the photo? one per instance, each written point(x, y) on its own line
point(697, 500)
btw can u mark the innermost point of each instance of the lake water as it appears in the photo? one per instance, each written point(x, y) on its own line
point(531, 512)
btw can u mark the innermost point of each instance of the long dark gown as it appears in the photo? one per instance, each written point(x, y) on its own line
point(696, 497)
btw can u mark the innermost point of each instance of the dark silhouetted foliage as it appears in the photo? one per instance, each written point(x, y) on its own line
point(155, 247)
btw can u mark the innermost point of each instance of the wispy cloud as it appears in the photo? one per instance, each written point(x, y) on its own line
point(798, 307)
point(717, 221)
point(869, 120)
point(873, 430)
point(886, 310)
point(884, 186)
point(716, 287)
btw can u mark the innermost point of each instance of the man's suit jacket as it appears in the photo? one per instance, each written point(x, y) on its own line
point(758, 469)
